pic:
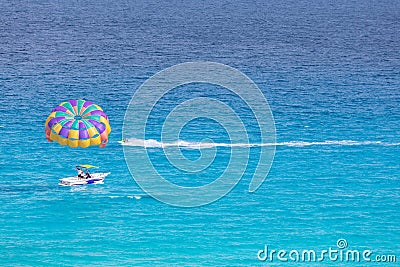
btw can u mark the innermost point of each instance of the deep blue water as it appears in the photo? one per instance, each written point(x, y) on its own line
point(329, 70)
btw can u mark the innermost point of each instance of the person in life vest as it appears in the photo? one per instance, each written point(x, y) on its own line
point(81, 174)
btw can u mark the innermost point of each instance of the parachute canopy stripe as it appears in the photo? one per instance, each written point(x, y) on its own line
point(87, 103)
point(83, 134)
point(68, 106)
point(66, 123)
point(99, 126)
point(82, 126)
point(90, 109)
point(73, 103)
point(54, 121)
point(60, 108)
point(80, 104)
point(64, 132)
point(98, 113)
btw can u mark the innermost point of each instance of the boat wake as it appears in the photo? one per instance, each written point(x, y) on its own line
point(151, 143)
point(137, 197)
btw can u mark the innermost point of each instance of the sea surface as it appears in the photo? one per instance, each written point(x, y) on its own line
point(330, 71)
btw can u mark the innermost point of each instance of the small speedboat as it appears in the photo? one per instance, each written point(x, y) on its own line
point(123, 141)
point(95, 178)
point(82, 178)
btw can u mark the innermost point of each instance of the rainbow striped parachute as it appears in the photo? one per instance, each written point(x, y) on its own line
point(78, 123)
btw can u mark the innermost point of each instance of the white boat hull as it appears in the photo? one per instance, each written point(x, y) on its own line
point(96, 178)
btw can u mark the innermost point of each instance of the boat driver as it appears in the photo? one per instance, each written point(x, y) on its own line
point(81, 174)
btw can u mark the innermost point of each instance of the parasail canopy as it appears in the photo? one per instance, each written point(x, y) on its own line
point(78, 123)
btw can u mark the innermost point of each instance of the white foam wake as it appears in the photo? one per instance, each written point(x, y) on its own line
point(151, 143)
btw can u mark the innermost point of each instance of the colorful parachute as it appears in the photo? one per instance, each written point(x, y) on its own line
point(78, 123)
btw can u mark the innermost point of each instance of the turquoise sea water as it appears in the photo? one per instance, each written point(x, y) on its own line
point(329, 70)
